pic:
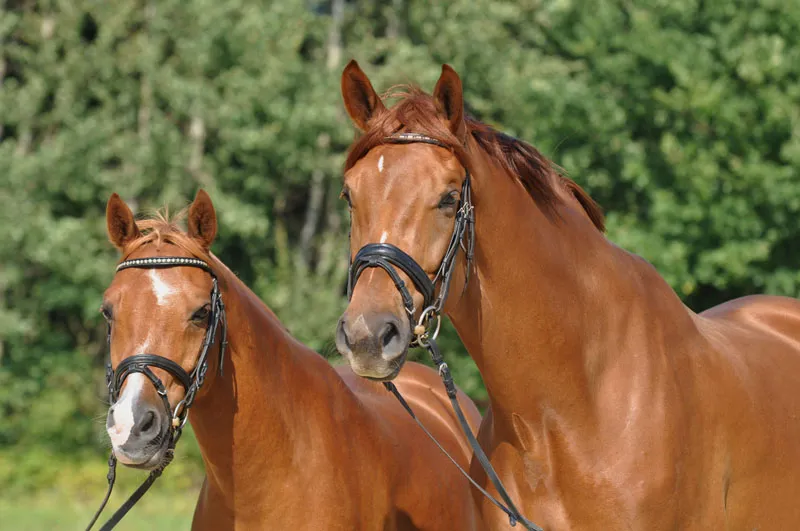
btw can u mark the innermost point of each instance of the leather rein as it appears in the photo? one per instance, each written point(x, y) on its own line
point(141, 363)
point(390, 258)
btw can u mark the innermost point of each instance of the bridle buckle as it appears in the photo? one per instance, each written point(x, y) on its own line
point(424, 331)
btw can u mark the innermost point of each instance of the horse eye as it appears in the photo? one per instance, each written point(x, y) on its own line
point(202, 314)
point(106, 312)
point(450, 199)
point(346, 196)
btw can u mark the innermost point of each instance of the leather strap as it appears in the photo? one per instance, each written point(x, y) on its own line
point(140, 361)
point(384, 255)
point(514, 516)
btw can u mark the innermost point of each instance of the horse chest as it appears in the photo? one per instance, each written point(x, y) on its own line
point(578, 483)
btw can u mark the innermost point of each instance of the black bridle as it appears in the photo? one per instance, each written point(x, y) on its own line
point(390, 258)
point(141, 363)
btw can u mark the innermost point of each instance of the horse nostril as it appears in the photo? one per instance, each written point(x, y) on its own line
point(342, 334)
point(149, 420)
point(389, 334)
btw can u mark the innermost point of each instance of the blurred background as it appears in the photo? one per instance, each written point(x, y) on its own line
point(681, 117)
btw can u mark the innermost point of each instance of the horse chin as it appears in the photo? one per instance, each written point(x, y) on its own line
point(144, 460)
point(383, 372)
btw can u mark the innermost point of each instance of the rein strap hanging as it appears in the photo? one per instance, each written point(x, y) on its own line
point(388, 257)
point(141, 363)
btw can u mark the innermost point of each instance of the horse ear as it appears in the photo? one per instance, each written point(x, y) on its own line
point(120, 223)
point(360, 99)
point(202, 220)
point(449, 94)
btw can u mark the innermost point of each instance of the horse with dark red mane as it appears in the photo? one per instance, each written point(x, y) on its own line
point(612, 404)
point(288, 441)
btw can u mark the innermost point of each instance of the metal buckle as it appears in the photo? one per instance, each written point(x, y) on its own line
point(423, 330)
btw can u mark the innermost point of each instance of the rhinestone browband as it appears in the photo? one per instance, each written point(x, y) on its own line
point(166, 261)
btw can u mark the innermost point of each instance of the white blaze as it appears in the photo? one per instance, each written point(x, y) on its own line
point(360, 326)
point(384, 236)
point(161, 289)
point(123, 410)
point(380, 164)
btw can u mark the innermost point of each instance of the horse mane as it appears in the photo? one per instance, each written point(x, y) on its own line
point(160, 229)
point(418, 112)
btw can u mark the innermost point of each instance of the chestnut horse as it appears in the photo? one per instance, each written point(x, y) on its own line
point(613, 405)
point(288, 441)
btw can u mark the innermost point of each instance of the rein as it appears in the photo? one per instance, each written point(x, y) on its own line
point(141, 363)
point(389, 257)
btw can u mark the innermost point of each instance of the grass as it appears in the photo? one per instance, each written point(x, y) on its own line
point(40, 491)
point(57, 511)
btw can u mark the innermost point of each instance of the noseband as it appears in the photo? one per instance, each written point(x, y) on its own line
point(142, 363)
point(191, 382)
point(388, 257)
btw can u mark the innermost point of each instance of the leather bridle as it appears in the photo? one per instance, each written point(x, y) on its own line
point(390, 258)
point(141, 363)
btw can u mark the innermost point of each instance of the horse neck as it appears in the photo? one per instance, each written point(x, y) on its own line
point(554, 308)
point(248, 423)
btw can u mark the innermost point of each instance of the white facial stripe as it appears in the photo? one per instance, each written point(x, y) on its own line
point(146, 344)
point(161, 289)
point(384, 236)
point(360, 327)
point(380, 164)
point(123, 410)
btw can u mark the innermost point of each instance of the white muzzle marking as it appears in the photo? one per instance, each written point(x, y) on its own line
point(123, 410)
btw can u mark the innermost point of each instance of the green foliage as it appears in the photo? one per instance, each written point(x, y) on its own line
point(681, 118)
point(60, 492)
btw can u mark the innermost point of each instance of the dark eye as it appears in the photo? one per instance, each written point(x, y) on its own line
point(448, 200)
point(346, 196)
point(200, 316)
point(105, 311)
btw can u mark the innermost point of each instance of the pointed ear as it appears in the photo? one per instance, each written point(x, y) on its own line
point(120, 223)
point(360, 99)
point(451, 99)
point(202, 220)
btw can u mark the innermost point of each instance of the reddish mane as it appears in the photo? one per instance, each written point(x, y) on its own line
point(418, 112)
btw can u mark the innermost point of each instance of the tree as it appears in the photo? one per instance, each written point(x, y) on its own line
point(681, 118)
